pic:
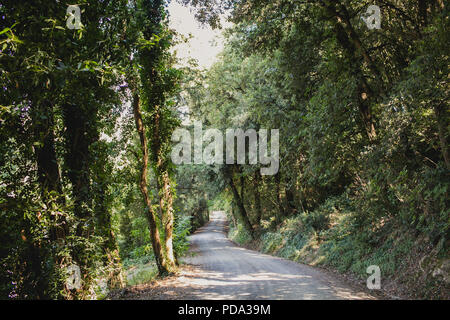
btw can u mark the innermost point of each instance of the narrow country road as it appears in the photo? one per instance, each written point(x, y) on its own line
point(226, 271)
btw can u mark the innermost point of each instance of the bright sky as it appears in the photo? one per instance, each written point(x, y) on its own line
point(205, 43)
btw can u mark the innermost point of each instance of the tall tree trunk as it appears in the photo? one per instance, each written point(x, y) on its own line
point(77, 122)
point(168, 221)
point(233, 216)
point(242, 181)
point(153, 85)
point(258, 208)
point(352, 45)
point(50, 182)
point(150, 214)
point(279, 198)
point(164, 191)
point(242, 212)
point(47, 163)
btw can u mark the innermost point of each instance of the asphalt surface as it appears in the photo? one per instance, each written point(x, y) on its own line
point(227, 271)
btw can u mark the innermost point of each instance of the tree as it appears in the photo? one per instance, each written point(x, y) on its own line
point(157, 82)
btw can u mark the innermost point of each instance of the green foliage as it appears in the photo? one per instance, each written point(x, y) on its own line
point(67, 162)
point(239, 234)
point(182, 230)
point(364, 130)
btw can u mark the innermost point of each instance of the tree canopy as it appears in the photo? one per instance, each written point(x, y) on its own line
point(87, 118)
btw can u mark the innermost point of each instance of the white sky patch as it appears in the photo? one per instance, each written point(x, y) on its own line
point(205, 43)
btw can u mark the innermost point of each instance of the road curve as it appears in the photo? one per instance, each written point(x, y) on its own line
point(227, 271)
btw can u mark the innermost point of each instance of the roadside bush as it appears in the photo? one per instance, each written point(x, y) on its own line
point(181, 232)
point(239, 235)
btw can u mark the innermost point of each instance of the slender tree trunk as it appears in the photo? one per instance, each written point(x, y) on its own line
point(47, 163)
point(150, 214)
point(239, 203)
point(352, 45)
point(168, 220)
point(233, 216)
point(242, 180)
point(153, 85)
point(165, 192)
point(77, 122)
point(355, 39)
point(50, 182)
point(258, 208)
point(279, 198)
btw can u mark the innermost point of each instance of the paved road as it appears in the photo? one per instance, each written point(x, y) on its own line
point(226, 271)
